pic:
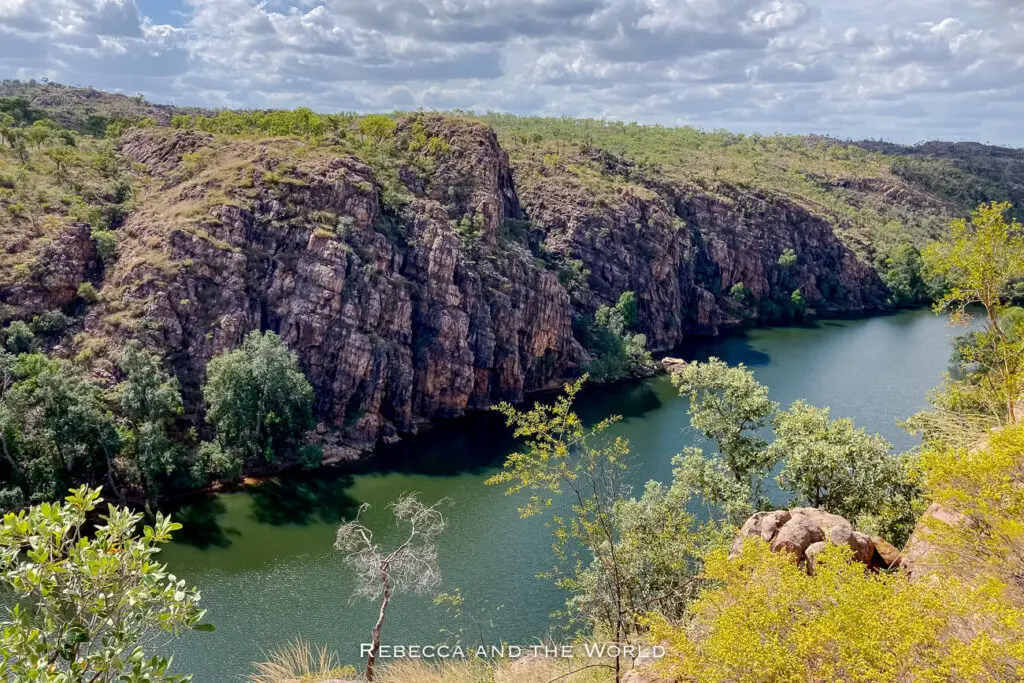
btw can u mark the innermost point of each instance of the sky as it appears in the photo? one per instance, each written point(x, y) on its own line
point(902, 70)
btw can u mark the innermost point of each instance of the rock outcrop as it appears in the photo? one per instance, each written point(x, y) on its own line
point(434, 286)
point(804, 532)
point(920, 555)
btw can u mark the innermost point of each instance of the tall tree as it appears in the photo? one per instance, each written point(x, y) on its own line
point(258, 398)
point(380, 573)
point(981, 260)
point(149, 401)
point(730, 407)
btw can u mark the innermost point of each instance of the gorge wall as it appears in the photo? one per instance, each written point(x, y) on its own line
point(461, 290)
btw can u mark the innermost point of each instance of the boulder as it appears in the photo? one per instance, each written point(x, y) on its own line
point(804, 533)
point(670, 364)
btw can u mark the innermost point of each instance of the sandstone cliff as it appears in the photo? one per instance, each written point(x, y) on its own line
point(436, 280)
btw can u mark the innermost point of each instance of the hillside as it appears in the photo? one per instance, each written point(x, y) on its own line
point(422, 265)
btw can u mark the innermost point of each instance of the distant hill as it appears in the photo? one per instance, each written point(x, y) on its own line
point(88, 110)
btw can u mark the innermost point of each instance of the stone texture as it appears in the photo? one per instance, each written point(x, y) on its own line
point(919, 556)
point(394, 320)
point(804, 532)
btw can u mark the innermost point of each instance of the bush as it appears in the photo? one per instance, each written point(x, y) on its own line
point(87, 293)
point(50, 323)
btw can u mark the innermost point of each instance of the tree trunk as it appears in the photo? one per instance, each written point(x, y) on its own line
point(371, 659)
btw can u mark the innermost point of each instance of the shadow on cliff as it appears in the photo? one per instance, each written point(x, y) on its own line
point(479, 443)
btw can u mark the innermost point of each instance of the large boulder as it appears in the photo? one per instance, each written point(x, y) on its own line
point(804, 532)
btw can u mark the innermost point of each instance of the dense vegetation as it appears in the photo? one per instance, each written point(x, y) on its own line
point(71, 415)
point(642, 568)
point(60, 427)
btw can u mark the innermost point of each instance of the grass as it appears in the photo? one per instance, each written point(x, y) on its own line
point(299, 662)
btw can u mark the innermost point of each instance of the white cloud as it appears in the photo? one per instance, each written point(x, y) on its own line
point(916, 69)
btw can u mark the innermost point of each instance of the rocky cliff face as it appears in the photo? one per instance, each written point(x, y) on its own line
point(405, 311)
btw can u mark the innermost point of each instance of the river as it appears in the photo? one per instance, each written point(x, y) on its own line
point(263, 558)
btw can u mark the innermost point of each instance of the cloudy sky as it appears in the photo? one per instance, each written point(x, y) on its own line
point(905, 70)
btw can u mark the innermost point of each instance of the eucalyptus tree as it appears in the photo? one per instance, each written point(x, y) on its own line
point(410, 566)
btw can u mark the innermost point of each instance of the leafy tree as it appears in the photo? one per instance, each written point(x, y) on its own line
point(148, 402)
point(617, 351)
point(83, 603)
point(797, 305)
point(377, 126)
point(18, 337)
point(659, 551)
point(902, 270)
point(55, 429)
point(563, 456)
point(788, 259)
point(411, 566)
point(981, 260)
point(831, 464)
point(740, 294)
point(729, 406)
point(257, 398)
point(765, 619)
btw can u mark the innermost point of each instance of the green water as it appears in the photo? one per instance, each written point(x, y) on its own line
point(263, 558)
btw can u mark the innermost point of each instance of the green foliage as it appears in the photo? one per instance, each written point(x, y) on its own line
point(19, 338)
point(901, 269)
point(765, 619)
point(106, 244)
point(149, 402)
point(55, 429)
point(562, 456)
point(87, 293)
point(730, 407)
point(377, 126)
point(788, 259)
point(981, 261)
point(797, 305)
point(84, 603)
point(740, 294)
point(831, 464)
point(616, 351)
point(258, 399)
point(50, 323)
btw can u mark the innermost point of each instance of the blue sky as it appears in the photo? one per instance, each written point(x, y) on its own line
point(905, 71)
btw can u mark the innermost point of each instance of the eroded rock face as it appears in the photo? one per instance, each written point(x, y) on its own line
point(66, 262)
point(399, 316)
point(920, 557)
point(804, 532)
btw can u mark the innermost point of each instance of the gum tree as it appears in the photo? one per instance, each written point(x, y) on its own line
point(411, 566)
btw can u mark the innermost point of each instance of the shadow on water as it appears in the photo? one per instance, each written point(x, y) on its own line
point(200, 525)
point(305, 499)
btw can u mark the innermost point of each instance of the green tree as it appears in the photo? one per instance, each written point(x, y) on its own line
point(901, 268)
point(981, 260)
point(148, 402)
point(257, 398)
point(377, 126)
point(831, 464)
point(55, 429)
point(18, 337)
point(730, 407)
point(84, 602)
point(617, 351)
point(562, 455)
point(788, 259)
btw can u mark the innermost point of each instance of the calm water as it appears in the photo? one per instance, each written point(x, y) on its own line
point(264, 561)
